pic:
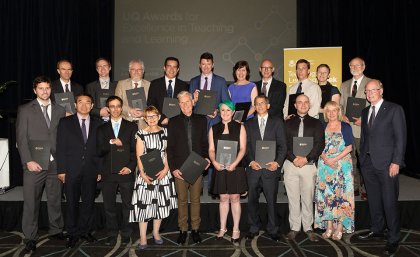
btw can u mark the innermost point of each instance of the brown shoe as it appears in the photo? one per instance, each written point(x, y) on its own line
point(291, 235)
point(312, 236)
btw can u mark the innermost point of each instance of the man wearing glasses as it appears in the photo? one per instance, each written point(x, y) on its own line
point(273, 89)
point(355, 87)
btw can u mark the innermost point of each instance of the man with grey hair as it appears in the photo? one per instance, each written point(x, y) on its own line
point(136, 71)
point(181, 142)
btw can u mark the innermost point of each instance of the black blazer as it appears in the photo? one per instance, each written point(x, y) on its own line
point(157, 92)
point(274, 131)
point(387, 139)
point(312, 128)
point(94, 89)
point(276, 96)
point(126, 134)
point(56, 87)
point(74, 157)
point(177, 149)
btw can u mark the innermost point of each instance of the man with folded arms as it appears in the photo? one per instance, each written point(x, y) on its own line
point(187, 132)
point(268, 128)
point(300, 171)
point(38, 120)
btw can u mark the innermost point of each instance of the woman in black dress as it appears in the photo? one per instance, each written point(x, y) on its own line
point(230, 180)
point(329, 92)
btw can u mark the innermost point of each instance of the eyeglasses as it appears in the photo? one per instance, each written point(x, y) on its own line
point(136, 70)
point(152, 117)
point(261, 103)
point(368, 91)
point(114, 107)
point(266, 68)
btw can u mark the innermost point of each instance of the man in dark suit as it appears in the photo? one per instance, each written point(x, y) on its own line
point(38, 120)
point(101, 89)
point(300, 171)
point(166, 86)
point(117, 135)
point(63, 84)
point(274, 89)
point(382, 148)
point(264, 127)
point(187, 132)
point(78, 167)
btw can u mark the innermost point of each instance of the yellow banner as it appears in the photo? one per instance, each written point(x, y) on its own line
point(316, 56)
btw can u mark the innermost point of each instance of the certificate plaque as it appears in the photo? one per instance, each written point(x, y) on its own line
point(206, 102)
point(226, 152)
point(66, 100)
point(152, 163)
point(193, 167)
point(136, 98)
point(354, 107)
point(170, 107)
point(265, 152)
point(302, 146)
point(40, 152)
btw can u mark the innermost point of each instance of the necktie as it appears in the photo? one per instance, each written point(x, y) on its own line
point(299, 89)
point(84, 130)
point(169, 91)
point(67, 88)
point(116, 129)
point(300, 131)
point(262, 128)
point(189, 132)
point(136, 85)
point(205, 83)
point(104, 84)
point(264, 88)
point(372, 117)
point(45, 112)
point(354, 89)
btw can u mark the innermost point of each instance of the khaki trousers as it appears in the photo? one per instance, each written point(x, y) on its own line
point(182, 189)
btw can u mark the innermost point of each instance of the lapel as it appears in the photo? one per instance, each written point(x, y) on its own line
point(77, 128)
point(257, 127)
point(54, 115)
point(380, 113)
point(361, 90)
point(38, 112)
point(92, 126)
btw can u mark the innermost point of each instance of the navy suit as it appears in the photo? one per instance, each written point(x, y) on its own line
point(380, 145)
point(276, 96)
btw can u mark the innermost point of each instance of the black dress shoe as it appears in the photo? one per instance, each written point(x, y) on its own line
point(59, 236)
point(196, 236)
point(30, 245)
point(370, 235)
point(390, 248)
point(88, 237)
point(274, 237)
point(182, 237)
point(250, 235)
point(72, 241)
point(111, 240)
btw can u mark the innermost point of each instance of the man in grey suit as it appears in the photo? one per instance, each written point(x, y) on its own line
point(382, 148)
point(136, 71)
point(38, 121)
point(355, 87)
point(266, 127)
point(101, 89)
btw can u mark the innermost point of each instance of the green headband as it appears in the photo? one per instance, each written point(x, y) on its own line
point(228, 103)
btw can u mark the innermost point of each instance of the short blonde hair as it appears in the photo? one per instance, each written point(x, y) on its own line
point(331, 105)
point(151, 109)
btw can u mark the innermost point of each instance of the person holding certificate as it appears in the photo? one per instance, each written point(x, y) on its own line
point(334, 196)
point(154, 195)
point(229, 178)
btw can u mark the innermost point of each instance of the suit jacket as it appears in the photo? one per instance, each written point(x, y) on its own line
point(31, 125)
point(157, 92)
point(74, 157)
point(124, 85)
point(276, 96)
point(126, 134)
point(387, 139)
point(274, 131)
point(94, 89)
point(345, 89)
point(311, 128)
point(177, 149)
point(56, 87)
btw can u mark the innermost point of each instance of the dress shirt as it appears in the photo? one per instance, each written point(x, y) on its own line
point(87, 123)
point(63, 85)
point(377, 106)
point(172, 84)
point(359, 81)
point(267, 87)
point(265, 117)
point(138, 82)
point(203, 80)
point(311, 90)
point(104, 83)
point(113, 122)
point(49, 115)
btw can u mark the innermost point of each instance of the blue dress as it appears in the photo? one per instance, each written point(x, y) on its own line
point(241, 94)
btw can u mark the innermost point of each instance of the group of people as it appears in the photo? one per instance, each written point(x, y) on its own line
point(81, 148)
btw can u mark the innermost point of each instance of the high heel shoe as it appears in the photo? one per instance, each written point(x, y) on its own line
point(236, 239)
point(221, 234)
point(327, 234)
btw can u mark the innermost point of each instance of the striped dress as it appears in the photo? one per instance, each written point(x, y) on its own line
point(153, 201)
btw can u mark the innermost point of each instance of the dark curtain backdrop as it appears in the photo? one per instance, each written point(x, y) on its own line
point(35, 34)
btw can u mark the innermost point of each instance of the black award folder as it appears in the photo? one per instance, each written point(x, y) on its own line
point(170, 107)
point(66, 100)
point(152, 163)
point(226, 152)
point(292, 101)
point(206, 102)
point(302, 146)
point(238, 116)
point(136, 98)
point(354, 107)
point(103, 96)
point(243, 107)
point(265, 152)
point(120, 156)
point(193, 167)
point(40, 152)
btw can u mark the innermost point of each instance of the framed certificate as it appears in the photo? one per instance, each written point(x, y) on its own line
point(152, 163)
point(40, 152)
point(206, 102)
point(136, 98)
point(226, 152)
point(66, 100)
point(302, 146)
point(170, 107)
point(193, 167)
point(354, 107)
point(265, 152)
